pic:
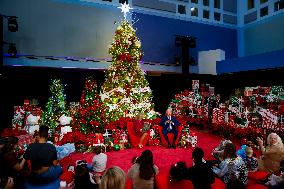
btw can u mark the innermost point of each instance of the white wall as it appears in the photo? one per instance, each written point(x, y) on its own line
point(207, 61)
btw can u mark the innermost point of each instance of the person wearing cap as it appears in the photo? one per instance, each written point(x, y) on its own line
point(170, 124)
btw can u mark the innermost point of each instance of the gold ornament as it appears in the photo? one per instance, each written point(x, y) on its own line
point(115, 100)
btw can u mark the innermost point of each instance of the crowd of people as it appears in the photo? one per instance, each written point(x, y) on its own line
point(39, 167)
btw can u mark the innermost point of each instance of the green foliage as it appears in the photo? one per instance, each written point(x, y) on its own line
point(89, 118)
point(56, 105)
point(126, 92)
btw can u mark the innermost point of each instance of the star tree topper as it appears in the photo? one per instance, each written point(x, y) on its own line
point(125, 8)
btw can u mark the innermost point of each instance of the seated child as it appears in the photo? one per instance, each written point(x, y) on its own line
point(250, 161)
point(83, 178)
point(219, 150)
point(178, 177)
point(178, 172)
point(273, 179)
point(242, 151)
point(99, 161)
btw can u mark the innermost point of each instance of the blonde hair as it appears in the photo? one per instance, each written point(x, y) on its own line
point(113, 178)
point(278, 140)
point(249, 151)
point(140, 116)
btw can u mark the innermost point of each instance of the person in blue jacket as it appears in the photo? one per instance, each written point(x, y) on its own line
point(170, 124)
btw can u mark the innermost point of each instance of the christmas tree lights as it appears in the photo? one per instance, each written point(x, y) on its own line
point(89, 118)
point(126, 92)
point(56, 105)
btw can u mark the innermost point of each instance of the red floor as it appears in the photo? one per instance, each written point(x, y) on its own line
point(163, 157)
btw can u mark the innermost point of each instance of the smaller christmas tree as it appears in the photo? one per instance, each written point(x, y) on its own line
point(89, 118)
point(56, 105)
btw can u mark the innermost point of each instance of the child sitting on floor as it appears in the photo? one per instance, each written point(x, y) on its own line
point(219, 150)
point(83, 178)
point(178, 172)
point(250, 161)
point(99, 161)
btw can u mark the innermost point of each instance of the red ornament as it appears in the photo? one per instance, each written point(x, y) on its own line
point(244, 141)
point(126, 57)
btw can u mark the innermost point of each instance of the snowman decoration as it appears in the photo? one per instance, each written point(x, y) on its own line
point(32, 124)
point(65, 124)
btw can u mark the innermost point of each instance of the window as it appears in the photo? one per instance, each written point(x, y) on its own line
point(206, 14)
point(194, 1)
point(206, 2)
point(278, 5)
point(250, 4)
point(249, 17)
point(181, 9)
point(123, 1)
point(262, 1)
point(194, 12)
point(229, 19)
point(264, 11)
point(217, 4)
point(217, 16)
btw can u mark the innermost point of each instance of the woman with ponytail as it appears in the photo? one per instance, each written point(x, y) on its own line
point(143, 172)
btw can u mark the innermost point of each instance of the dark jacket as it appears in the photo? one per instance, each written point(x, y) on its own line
point(201, 176)
point(166, 125)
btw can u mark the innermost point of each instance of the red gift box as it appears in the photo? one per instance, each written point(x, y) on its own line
point(248, 92)
point(99, 138)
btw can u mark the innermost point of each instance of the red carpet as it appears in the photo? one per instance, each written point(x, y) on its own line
point(163, 157)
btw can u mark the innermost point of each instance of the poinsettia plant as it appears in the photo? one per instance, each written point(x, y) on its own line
point(8, 132)
point(250, 133)
point(77, 136)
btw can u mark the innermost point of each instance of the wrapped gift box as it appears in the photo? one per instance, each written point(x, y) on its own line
point(18, 118)
point(218, 115)
point(248, 92)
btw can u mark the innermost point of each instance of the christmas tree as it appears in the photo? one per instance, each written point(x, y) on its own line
point(126, 92)
point(56, 105)
point(89, 118)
